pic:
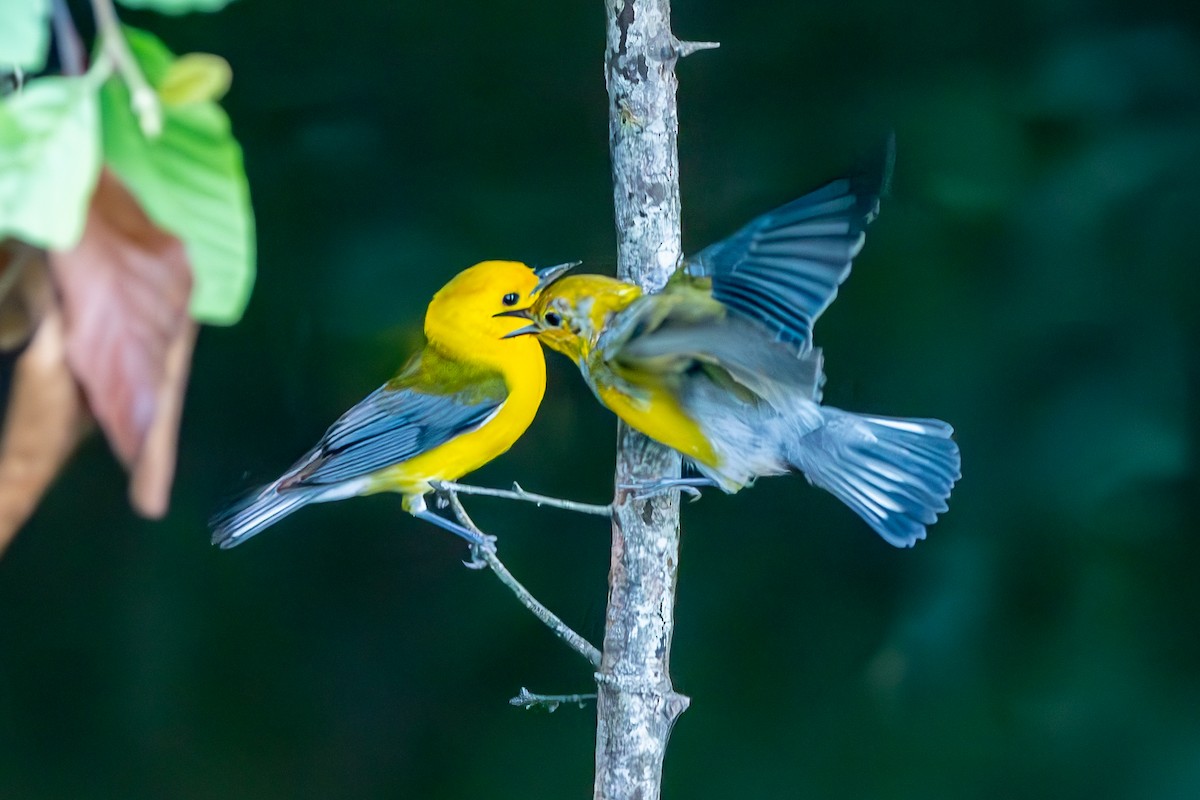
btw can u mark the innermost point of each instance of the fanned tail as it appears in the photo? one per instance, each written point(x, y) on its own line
point(895, 473)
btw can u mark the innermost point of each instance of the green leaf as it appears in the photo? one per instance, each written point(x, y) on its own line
point(190, 180)
point(176, 6)
point(195, 78)
point(49, 160)
point(24, 33)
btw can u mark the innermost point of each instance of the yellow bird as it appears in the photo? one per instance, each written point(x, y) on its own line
point(461, 400)
point(720, 364)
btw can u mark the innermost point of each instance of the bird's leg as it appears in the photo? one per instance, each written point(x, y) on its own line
point(688, 486)
point(518, 493)
point(480, 542)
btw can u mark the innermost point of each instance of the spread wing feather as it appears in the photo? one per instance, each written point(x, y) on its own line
point(783, 269)
point(675, 343)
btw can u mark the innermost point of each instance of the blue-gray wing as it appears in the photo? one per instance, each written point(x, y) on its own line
point(389, 426)
point(680, 342)
point(784, 268)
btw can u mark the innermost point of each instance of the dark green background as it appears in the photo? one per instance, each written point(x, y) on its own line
point(1032, 280)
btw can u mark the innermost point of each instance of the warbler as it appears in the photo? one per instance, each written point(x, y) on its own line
point(720, 364)
point(461, 400)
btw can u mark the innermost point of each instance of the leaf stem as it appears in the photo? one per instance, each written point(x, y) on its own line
point(547, 617)
point(143, 98)
point(70, 49)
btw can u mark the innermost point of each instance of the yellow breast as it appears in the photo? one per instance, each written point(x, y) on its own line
point(526, 380)
point(658, 415)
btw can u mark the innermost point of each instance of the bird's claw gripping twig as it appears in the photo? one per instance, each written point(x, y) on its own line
point(644, 490)
point(480, 551)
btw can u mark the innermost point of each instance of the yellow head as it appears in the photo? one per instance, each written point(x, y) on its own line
point(570, 314)
point(471, 315)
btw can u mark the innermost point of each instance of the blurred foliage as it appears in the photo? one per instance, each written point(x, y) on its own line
point(1031, 280)
point(49, 162)
point(190, 178)
point(99, 272)
point(24, 33)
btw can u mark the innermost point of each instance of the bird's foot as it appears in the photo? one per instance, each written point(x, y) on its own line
point(480, 551)
point(643, 490)
point(482, 544)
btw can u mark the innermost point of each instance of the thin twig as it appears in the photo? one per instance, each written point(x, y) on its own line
point(518, 493)
point(547, 617)
point(685, 49)
point(71, 59)
point(528, 700)
point(143, 98)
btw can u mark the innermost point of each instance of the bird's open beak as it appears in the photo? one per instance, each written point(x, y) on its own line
point(548, 275)
point(519, 313)
point(545, 276)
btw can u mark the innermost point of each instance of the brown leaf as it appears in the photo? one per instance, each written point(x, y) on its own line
point(125, 290)
point(46, 419)
point(24, 292)
point(150, 484)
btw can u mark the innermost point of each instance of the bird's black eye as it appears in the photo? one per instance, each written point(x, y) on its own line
point(553, 320)
point(510, 299)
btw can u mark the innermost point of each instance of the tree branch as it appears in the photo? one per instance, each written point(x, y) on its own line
point(547, 617)
point(528, 700)
point(636, 705)
point(519, 493)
